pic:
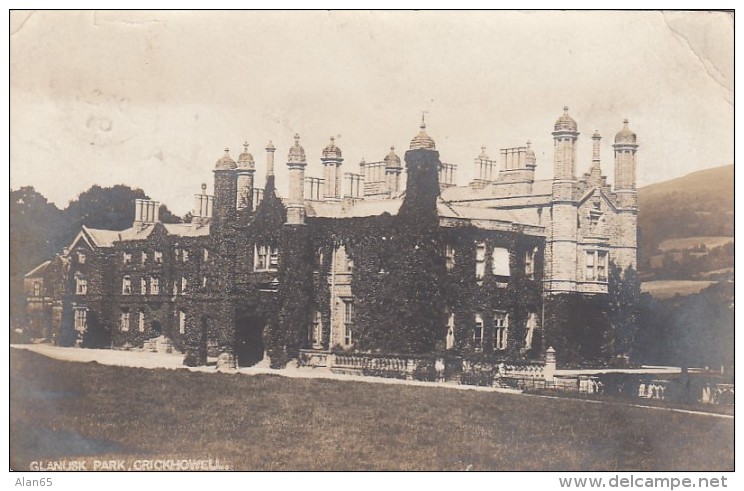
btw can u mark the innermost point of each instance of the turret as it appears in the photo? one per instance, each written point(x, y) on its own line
point(332, 161)
point(562, 241)
point(296, 163)
point(564, 138)
point(625, 147)
point(422, 165)
point(625, 237)
point(393, 170)
point(270, 150)
point(225, 189)
point(245, 172)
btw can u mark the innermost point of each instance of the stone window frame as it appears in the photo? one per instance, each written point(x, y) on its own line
point(80, 319)
point(265, 257)
point(497, 262)
point(500, 330)
point(124, 318)
point(479, 332)
point(596, 265)
point(81, 284)
point(449, 257)
point(126, 285)
point(348, 321)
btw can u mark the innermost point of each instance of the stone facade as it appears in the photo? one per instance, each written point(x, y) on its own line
point(255, 275)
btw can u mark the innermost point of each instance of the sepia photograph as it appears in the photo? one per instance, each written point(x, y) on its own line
point(372, 240)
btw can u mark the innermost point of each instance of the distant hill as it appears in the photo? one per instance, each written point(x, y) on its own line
point(686, 227)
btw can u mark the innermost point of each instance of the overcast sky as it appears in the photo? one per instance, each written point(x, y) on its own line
point(151, 99)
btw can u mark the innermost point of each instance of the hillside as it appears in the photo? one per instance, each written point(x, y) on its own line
point(686, 227)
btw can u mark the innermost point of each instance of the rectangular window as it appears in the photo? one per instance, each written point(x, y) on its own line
point(154, 285)
point(348, 322)
point(141, 321)
point(450, 340)
point(37, 289)
point(500, 258)
point(596, 266)
point(126, 258)
point(126, 285)
point(124, 321)
point(143, 286)
point(206, 255)
point(316, 329)
point(158, 257)
point(501, 328)
point(185, 256)
point(81, 315)
point(182, 322)
point(590, 265)
point(184, 284)
point(266, 258)
point(531, 326)
point(602, 265)
point(144, 258)
point(480, 260)
point(449, 257)
point(478, 332)
point(81, 258)
point(529, 263)
point(81, 285)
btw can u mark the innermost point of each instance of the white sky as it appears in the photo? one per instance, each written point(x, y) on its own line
point(150, 99)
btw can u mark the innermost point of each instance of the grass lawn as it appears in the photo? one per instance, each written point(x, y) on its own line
point(62, 410)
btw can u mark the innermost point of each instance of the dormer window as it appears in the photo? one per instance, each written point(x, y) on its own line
point(80, 258)
point(37, 289)
point(158, 257)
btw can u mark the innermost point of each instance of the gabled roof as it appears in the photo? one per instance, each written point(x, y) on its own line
point(186, 229)
point(589, 193)
point(38, 270)
point(101, 237)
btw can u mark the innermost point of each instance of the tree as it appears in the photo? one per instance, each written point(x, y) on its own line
point(110, 208)
point(623, 310)
point(38, 229)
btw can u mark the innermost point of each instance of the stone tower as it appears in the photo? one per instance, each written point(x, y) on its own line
point(563, 234)
point(625, 240)
point(296, 163)
point(422, 165)
point(225, 190)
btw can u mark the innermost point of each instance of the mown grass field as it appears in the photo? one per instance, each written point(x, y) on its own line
point(71, 410)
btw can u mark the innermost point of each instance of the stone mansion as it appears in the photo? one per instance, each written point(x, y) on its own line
point(391, 256)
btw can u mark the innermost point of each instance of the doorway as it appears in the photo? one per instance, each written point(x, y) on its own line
point(249, 344)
